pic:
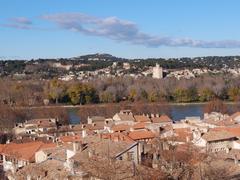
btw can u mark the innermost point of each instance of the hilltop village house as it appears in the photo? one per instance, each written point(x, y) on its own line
point(135, 141)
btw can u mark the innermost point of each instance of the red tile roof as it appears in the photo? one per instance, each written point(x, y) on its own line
point(117, 137)
point(218, 136)
point(162, 119)
point(235, 130)
point(183, 134)
point(67, 139)
point(140, 125)
point(142, 118)
point(42, 122)
point(142, 134)
point(120, 127)
point(24, 151)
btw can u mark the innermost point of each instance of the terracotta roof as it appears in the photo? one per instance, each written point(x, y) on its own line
point(183, 134)
point(57, 153)
point(217, 136)
point(140, 125)
point(162, 119)
point(120, 127)
point(224, 122)
point(234, 130)
point(25, 151)
point(92, 127)
point(142, 118)
point(1, 147)
point(104, 147)
point(116, 137)
point(42, 122)
point(142, 134)
point(166, 128)
point(67, 139)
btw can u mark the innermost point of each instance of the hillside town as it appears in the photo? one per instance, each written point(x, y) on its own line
point(119, 90)
point(92, 66)
point(125, 146)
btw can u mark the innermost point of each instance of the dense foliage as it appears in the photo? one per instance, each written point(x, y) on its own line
point(111, 90)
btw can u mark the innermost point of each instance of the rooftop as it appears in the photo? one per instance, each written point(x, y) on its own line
point(24, 151)
point(141, 134)
point(162, 119)
point(142, 118)
point(217, 136)
point(120, 127)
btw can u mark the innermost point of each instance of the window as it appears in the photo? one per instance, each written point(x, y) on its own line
point(130, 156)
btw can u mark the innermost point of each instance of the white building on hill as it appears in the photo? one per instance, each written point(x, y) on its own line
point(157, 72)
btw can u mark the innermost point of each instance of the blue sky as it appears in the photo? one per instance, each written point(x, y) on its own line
point(125, 28)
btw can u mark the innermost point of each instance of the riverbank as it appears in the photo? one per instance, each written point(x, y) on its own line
point(124, 104)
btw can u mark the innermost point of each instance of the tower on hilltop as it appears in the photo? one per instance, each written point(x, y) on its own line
point(157, 72)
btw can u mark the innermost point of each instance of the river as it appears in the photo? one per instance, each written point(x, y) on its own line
point(178, 111)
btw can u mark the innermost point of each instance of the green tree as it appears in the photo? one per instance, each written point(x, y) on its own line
point(185, 95)
point(205, 94)
point(75, 93)
point(152, 96)
point(106, 97)
point(233, 93)
point(132, 95)
point(180, 95)
point(56, 90)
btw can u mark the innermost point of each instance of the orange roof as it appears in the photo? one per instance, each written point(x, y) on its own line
point(218, 136)
point(142, 134)
point(116, 136)
point(120, 127)
point(1, 147)
point(141, 118)
point(183, 134)
point(163, 118)
point(66, 139)
point(24, 151)
point(42, 122)
point(235, 130)
point(48, 145)
point(140, 125)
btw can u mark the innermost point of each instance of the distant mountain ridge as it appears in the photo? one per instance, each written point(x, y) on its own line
point(98, 56)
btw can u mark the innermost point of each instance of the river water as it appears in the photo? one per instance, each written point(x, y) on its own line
point(178, 112)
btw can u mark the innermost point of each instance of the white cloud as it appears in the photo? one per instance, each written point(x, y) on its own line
point(21, 20)
point(118, 30)
point(19, 23)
